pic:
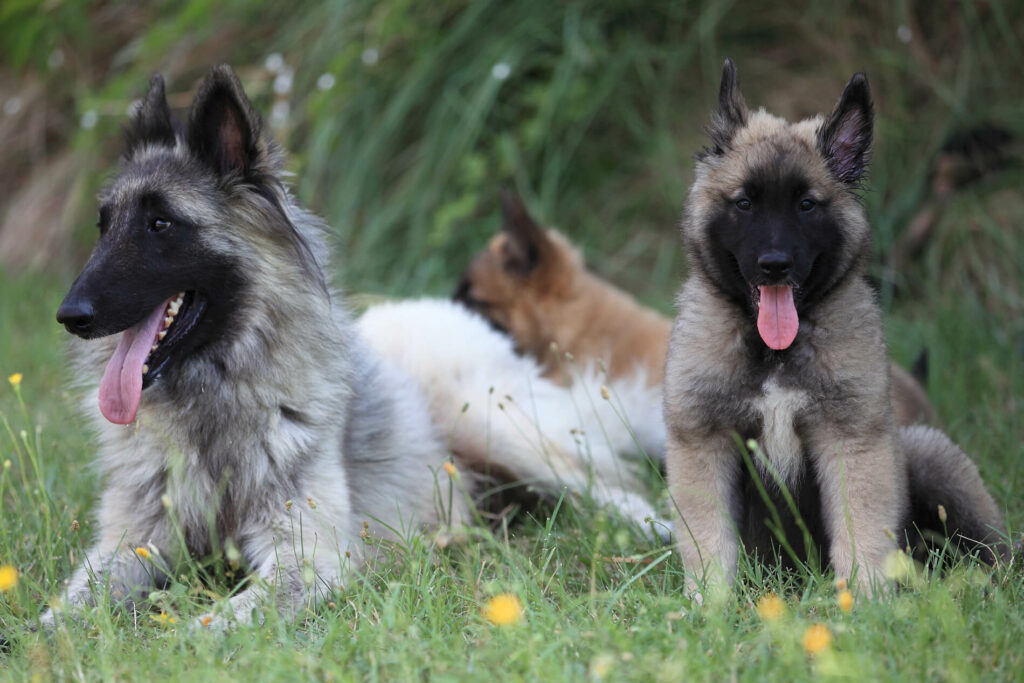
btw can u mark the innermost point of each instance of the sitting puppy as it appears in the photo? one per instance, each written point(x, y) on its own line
point(778, 339)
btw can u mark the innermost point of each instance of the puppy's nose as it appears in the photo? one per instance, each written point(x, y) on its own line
point(76, 316)
point(775, 264)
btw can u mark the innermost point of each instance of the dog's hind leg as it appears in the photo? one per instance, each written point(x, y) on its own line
point(941, 474)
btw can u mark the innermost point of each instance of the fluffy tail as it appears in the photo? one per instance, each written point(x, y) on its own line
point(948, 497)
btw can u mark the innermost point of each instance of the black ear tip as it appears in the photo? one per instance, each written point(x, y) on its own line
point(223, 70)
point(729, 71)
point(512, 209)
point(858, 84)
point(222, 76)
point(156, 89)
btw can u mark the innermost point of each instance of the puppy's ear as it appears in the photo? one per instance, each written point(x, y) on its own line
point(151, 124)
point(732, 111)
point(224, 130)
point(527, 242)
point(845, 138)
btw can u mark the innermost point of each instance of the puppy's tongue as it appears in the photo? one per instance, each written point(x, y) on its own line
point(121, 386)
point(776, 316)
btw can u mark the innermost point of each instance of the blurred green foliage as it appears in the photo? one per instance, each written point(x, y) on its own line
point(404, 118)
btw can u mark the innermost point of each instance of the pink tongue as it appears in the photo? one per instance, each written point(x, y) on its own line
point(776, 317)
point(121, 386)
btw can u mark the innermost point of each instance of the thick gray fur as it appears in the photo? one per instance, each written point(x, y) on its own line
point(284, 438)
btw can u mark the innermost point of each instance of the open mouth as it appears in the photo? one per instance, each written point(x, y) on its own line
point(143, 352)
point(179, 318)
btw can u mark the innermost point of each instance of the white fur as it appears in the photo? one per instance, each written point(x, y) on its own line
point(779, 439)
point(515, 419)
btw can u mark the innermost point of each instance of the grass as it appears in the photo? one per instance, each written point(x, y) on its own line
point(600, 600)
point(595, 125)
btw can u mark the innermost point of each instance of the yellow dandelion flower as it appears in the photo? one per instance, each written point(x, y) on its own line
point(205, 621)
point(450, 469)
point(771, 607)
point(503, 610)
point(142, 552)
point(817, 637)
point(841, 584)
point(845, 600)
point(15, 379)
point(163, 618)
point(601, 666)
point(8, 578)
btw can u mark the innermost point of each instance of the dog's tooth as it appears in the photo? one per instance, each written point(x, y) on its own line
point(160, 335)
point(145, 369)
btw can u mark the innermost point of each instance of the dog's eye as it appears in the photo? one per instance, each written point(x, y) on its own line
point(807, 204)
point(159, 225)
point(743, 204)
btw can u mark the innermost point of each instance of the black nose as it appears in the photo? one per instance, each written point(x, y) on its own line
point(775, 264)
point(76, 316)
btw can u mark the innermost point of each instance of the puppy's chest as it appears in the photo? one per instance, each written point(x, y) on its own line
point(780, 409)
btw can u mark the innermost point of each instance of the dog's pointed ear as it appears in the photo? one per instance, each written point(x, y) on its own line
point(732, 110)
point(151, 123)
point(527, 242)
point(224, 130)
point(845, 138)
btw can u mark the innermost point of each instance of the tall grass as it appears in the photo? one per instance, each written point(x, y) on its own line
point(591, 110)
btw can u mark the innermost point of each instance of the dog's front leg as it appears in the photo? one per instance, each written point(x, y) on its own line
point(702, 480)
point(863, 493)
point(112, 565)
point(297, 560)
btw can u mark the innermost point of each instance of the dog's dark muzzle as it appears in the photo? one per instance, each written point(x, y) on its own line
point(775, 266)
point(77, 315)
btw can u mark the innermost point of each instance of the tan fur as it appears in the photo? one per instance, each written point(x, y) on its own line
point(818, 406)
point(562, 302)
